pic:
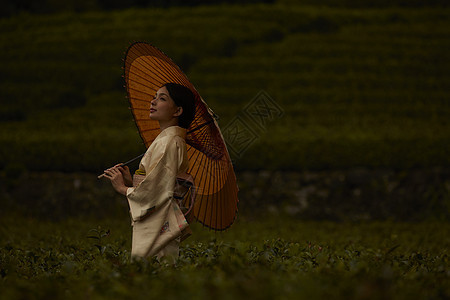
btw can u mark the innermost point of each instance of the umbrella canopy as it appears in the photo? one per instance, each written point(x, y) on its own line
point(147, 69)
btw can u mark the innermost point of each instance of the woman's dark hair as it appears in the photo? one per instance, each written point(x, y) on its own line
point(182, 96)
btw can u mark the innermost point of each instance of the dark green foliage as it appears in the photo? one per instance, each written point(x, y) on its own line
point(269, 259)
point(12, 7)
point(12, 114)
point(358, 87)
point(340, 195)
point(70, 99)
point(347, 195)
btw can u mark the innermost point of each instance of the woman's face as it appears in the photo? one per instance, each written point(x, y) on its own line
point(163, 108)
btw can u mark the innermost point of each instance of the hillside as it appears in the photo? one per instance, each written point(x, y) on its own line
point(357, 87)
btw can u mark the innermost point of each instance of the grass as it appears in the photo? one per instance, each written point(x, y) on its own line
point(262, 259)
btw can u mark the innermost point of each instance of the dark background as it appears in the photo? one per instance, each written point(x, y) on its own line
point(363, 86)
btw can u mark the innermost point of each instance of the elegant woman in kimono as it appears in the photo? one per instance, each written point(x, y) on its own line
point(158, 223)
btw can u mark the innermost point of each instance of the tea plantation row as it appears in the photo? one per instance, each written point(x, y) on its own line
point(357, 87)
point(265, 259)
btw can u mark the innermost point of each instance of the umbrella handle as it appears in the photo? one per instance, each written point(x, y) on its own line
point(124, 164)
point(104, 175)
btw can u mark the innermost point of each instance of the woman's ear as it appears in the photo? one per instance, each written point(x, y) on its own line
point(178, 112)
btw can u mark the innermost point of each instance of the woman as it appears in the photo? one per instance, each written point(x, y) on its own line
point(158, 224)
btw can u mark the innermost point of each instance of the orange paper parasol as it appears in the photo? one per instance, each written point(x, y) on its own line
point(146, 70)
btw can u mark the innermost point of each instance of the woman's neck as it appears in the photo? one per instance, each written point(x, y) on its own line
point(164, 125)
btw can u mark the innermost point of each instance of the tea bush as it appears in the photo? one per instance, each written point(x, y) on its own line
point(358, 87)
point(262, 259)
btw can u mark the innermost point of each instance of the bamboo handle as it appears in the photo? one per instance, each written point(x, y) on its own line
point(124, 164)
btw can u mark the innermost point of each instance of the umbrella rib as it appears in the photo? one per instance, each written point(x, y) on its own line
point(142, 92)
point(200, 126)
point(211, 198)
point(146, 71)
point(207, 141)
point(169, 71)
point(198, 169)
point(215, 195)
point(160, 78)
point(190, 154)
point(194, 152)
point(203, 136)
point(208, 200)
point(156, 64)
point(157, 78)
point(197, 153)
point(207, 149)
point(202, 201)
point(153, 55)
point(223, 201)
point(180, 76)
point(134, 98)
point(139, 108)
point(200, 147)
point(220, 200)
point(202, 157)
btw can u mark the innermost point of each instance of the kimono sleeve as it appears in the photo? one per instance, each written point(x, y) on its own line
point(159, 183)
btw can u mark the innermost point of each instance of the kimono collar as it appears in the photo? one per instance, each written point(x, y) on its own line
point(174, 130)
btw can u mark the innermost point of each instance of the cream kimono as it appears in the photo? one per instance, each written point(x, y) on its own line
point(158, 222)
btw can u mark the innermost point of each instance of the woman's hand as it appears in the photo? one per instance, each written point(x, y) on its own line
point(117, 179)
point(127, 178)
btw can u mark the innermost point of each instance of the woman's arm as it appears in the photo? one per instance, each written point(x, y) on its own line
point(159, 182)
